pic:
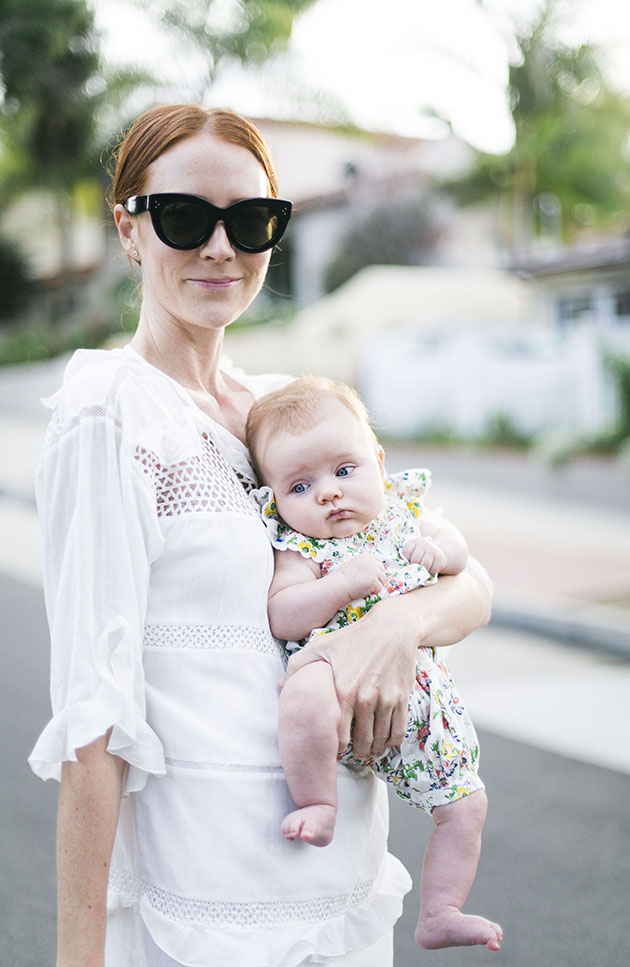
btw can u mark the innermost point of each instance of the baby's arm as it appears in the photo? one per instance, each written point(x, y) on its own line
point(441, 547)
point(300, 599)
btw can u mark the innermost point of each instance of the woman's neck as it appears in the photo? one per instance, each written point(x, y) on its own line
point(190, 358)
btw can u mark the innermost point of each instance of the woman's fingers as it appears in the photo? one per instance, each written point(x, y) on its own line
point(364, 721)
point(346, 721)
point(390, 722)
point(373, 668)
point(379, 722)
point(399, 719)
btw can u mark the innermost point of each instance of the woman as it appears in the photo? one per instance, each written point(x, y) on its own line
point(164, 673)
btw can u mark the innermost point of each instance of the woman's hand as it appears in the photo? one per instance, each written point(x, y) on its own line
point(373, 661)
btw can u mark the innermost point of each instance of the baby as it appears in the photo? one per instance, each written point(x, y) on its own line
point(345, 535)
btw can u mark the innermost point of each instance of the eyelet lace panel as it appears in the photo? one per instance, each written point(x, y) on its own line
point(215, 637)
point(212, 913)
point(200, 484)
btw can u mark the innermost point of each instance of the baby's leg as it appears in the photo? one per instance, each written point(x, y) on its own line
point(449, 869)
point(307, 735)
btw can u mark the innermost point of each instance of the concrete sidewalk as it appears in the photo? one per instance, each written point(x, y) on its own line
point(561, 566)
point(559, 557)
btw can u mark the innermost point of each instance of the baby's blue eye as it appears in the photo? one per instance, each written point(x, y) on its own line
point(344, 471)
point(299, 488)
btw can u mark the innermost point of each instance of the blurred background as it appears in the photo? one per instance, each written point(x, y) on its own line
point(460, 174)
point(459, 251)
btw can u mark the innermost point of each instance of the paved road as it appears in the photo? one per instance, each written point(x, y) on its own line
point(556, 861)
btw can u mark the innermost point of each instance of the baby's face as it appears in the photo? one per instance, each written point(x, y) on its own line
point(327, 480)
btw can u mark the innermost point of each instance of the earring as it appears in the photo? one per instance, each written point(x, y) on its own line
point(135, 253)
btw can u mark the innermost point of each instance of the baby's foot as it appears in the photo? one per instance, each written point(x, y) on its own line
point(451, 928)
point(314, 824)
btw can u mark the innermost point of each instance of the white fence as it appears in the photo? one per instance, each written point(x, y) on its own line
point(415, 381)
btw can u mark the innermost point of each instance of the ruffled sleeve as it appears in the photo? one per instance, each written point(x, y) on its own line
point(283, 538)
point(410, 486)
point(101, 535)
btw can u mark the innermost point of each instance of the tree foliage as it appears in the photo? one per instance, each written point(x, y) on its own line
point(52, 95)
point(49, 69)
point(15, 282)
point(398, 229)
point(569, 164)
point(222, 30)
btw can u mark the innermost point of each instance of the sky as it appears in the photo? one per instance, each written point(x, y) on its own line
point(387, 66)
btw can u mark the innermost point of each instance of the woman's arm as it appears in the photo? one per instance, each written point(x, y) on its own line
point(89, 804)
point(373, 661)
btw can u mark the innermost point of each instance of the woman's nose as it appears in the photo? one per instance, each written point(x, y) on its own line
point(218, 246)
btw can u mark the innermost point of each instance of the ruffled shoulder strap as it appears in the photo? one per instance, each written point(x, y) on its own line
point(150, 410)
point(409, 486)
point(281, 536)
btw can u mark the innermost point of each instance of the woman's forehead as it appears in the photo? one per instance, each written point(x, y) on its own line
point(203, 163)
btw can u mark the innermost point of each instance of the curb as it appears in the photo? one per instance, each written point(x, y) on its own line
point(601, 629)
point(596, 627)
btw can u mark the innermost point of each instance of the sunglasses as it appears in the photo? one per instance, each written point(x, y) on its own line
point(187, 221)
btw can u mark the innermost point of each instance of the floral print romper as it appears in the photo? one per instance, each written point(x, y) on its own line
point(438, 758)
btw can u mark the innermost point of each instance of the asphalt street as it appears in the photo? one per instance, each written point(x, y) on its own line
point(553, 717)
point(555, 868)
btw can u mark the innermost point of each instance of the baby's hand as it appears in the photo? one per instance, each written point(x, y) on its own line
point(364, 574)
point(420, 550)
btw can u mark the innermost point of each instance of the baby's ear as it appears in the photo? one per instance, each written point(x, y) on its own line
point(380, 456)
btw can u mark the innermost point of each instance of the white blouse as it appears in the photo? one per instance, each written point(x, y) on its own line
point(156, 575)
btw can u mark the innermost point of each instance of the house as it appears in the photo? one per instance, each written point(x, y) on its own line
point(586, 283)
point(331, 174)
point(336, 335)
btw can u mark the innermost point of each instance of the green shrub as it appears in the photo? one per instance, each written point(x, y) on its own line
point(16, 286)
point(618, 365)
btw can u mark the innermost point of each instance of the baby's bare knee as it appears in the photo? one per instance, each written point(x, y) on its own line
point(309, 696)
point(469, 811)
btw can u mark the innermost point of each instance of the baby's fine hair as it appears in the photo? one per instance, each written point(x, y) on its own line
point(297, 407)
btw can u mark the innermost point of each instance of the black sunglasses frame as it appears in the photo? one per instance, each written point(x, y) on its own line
point(154, 204)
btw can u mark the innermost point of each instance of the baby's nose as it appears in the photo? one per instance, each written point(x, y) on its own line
point(329, 489)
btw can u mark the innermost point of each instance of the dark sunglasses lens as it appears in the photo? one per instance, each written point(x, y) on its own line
point(254, 226)
point(185, 224)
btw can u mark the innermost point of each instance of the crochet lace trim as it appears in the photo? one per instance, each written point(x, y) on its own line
point(215, 913)
point(214, 637)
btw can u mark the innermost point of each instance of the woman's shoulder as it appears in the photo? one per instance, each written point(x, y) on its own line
point(258, 384)
point(94, 377)
point(120, 386)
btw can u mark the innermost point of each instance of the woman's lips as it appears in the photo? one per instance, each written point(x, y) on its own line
point(214, 283)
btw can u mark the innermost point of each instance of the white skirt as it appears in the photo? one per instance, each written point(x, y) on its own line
point(380, 954)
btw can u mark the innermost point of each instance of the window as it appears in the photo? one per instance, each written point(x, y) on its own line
point(576, 308)
point(622, 303)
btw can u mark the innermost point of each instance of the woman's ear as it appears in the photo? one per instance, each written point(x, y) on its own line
point(126, 225)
